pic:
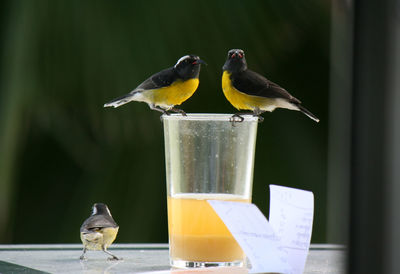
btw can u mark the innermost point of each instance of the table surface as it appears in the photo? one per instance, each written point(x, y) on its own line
point(137, 258)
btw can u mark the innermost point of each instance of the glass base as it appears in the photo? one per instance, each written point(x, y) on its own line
point(189, 264)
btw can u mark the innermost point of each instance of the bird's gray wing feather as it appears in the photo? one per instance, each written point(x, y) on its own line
point(161, 79)
point(98, 221)
point(252, 83)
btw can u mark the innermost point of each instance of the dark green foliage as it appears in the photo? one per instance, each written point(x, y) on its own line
point(61, 151)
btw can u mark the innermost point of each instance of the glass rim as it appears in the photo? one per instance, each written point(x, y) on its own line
point(207, 117)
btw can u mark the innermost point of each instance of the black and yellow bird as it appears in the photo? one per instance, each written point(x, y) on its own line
point(248, 90)
point(167, 88)
point(99, 231)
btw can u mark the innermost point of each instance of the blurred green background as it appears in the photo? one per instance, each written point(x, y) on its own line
point(61, 151)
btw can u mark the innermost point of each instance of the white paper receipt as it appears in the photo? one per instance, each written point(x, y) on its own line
point(291, 214)
point(280, 245)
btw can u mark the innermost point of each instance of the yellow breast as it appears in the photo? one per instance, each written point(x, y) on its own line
point(99, 239)
point(239, 99)
point(174, 94)
point(109, 235)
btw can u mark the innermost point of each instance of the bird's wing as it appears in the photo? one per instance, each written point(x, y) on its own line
point(252, 83)
point(97, 222)
point(161, 79)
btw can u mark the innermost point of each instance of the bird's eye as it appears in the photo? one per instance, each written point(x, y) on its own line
point(233, 55)
point(240, 55)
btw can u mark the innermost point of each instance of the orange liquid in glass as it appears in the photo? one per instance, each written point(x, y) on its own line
point(196, 233)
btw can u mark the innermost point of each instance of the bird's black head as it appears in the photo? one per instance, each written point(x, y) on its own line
point(100, 209)
point(235, 62)
point(188, 66)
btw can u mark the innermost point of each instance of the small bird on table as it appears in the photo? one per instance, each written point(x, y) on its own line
point(248, 90)
point(99, 231)
point(167, 88)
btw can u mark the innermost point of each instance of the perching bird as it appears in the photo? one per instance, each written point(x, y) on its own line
point(99, 231)
point(167, 88)
point(248, 90)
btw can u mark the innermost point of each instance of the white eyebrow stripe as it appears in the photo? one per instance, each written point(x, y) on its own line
point(181, 59)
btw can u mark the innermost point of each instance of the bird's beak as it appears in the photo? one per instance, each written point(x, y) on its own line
point(200, 62)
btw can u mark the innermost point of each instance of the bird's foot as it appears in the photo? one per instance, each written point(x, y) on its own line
point(179, 111)
point(82, 257)
point(257, 113)
point(114, 258)
point(260, 118)
point(236, 118)
point(165, 112)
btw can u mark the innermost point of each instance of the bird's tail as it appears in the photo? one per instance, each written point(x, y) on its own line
point(120, 101)
point(308, 113)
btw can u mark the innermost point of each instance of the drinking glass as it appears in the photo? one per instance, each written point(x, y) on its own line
point(208, 157)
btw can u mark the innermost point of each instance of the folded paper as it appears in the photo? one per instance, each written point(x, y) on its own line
point(280, 245)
